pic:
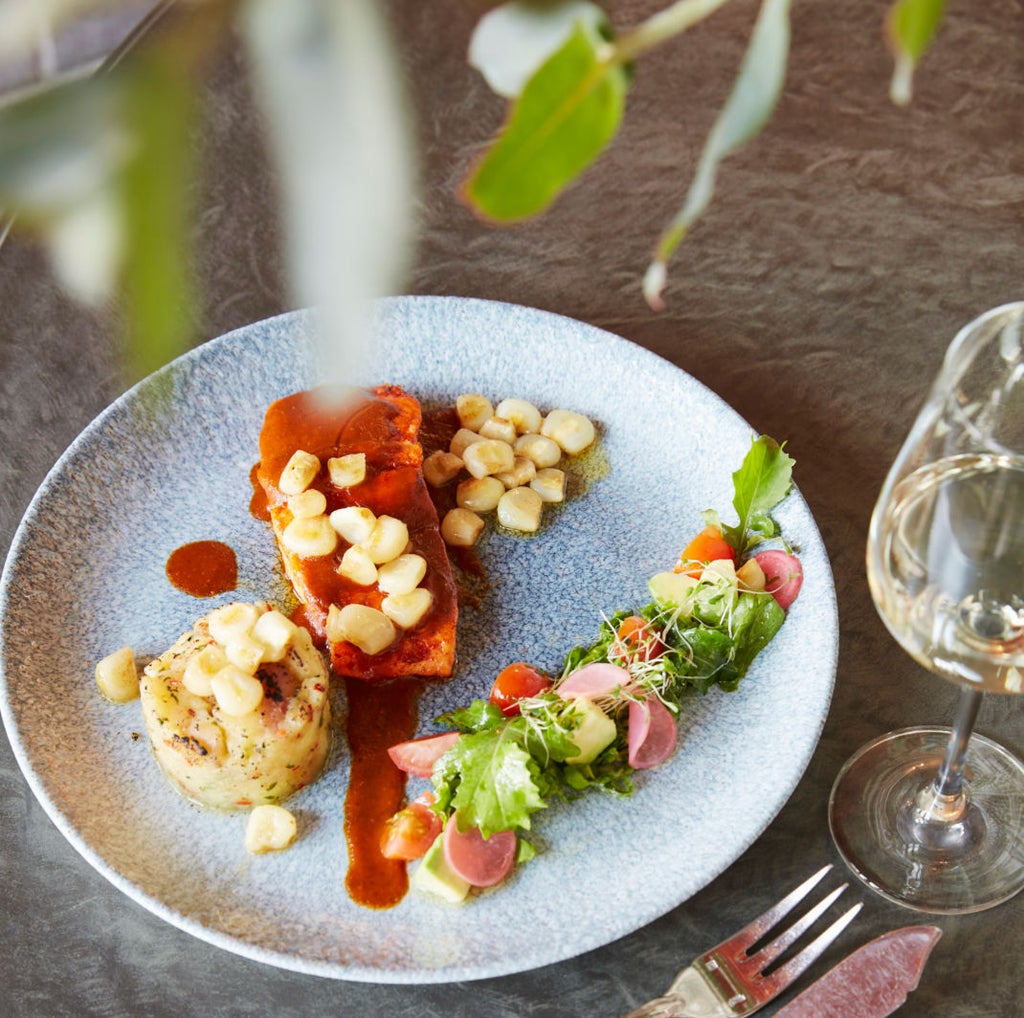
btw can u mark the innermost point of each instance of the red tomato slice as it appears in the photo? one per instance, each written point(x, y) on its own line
point(595, 679)
point(411, 831)
point(480, 861)
point(518, 681)
point(707, 546)
point(783, 575)
point(652, 733)
point(418, 756)
point(637, 640)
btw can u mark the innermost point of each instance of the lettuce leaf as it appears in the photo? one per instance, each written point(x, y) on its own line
point(763, 480)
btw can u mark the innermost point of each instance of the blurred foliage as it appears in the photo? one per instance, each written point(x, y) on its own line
point(104, 169)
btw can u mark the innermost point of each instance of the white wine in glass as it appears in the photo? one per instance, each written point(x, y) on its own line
point(930, 817)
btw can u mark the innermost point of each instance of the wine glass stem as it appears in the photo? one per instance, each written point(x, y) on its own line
point(950, 777)
point(940, 819)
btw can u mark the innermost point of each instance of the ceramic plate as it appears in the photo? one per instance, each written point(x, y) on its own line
point(169, 463)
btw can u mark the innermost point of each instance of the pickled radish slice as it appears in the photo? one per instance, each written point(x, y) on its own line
point(418, 756)
point(652, 733)
point(595, 679)
point(783, 575)
point(480, 861)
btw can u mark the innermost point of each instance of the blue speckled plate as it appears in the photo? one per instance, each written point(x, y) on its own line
point(169, 463)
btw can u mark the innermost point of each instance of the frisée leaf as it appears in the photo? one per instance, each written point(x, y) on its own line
point(489, 781)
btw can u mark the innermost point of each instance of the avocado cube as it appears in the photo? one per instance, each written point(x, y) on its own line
point(434, 876)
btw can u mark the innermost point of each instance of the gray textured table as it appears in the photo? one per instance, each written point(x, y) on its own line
point(844, 249)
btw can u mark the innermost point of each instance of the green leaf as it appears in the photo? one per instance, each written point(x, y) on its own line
point(763, 480)
point(496, 788)
point(60, 147)
point(480, 714)
point(756, 620)
point(746, 111)
point(910, 28)
point(511, 41)
point(160, 101)
point(568, 112)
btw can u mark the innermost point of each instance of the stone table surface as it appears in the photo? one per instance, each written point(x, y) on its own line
point(844, 249)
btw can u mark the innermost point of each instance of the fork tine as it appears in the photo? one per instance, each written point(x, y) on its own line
point(771, 951)
point(755, 930)
point(785, 974)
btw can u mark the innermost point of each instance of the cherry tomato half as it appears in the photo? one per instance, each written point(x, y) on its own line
point(412, 830)
point(637, 640)
point(418, 756)
point(517, 682)
point(707, 546)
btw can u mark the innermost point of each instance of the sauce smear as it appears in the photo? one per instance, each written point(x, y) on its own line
point(258, 507)
point(203, 568)
point(379, 715)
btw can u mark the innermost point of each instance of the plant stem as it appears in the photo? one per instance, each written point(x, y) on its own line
point(661, 27)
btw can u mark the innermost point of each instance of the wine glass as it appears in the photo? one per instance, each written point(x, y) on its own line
point(931, 817)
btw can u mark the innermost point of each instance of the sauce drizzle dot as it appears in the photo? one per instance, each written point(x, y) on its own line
point(203, 568)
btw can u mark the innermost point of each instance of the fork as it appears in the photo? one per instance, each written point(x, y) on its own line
point(727, 982)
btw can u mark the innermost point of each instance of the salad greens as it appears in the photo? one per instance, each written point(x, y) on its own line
point(701, 630)
point(761, 483)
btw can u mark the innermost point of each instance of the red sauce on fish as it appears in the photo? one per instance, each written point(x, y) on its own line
point(383, 425)
point(379, 715)
point(203, 568)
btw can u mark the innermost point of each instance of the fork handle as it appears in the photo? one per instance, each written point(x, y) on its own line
point(689, 996)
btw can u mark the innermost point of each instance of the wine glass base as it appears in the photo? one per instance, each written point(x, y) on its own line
point(968, 867)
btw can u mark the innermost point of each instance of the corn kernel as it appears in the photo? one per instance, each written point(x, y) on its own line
point(202, 667)
point(461, 528)
point(472, 410)
point(117, 676)
point(572, 431)
point(353, 522)
point(520, 509)
point(500, 428)
point(269, 829)
point(307, 503)
point(299, 472)
point(236, 692)
point(311, 537)
point(357, 567)
point(402, 574)
point(275, 631)
point(488, 456)
point(549, 484)
point(387, 540)
point(232, 620)
point(407, 610)
point(441, 468)
point(347, 471)
point(369, 629)
point(524, 416)
point(461, 441)
point(480, 494)
point(545, 452)
point(523, 472)
point(245, 653)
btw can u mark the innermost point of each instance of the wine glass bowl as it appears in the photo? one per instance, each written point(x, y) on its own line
point(931, 817)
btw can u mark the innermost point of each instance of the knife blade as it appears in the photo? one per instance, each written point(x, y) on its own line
point(872, 981)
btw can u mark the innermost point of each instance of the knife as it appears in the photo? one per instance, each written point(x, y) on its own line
point(872, 981)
